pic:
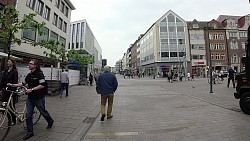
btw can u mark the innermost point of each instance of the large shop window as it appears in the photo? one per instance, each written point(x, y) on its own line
point(164, 54)
point(173, 54)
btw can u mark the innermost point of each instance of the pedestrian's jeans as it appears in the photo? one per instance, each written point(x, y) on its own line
point(40, 104)
point(104, 98)
point(66, 87)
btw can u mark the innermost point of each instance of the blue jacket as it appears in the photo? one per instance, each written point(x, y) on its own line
point(107, 83)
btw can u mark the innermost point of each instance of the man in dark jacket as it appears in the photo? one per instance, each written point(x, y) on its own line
point(231, 73)
point(107, 84)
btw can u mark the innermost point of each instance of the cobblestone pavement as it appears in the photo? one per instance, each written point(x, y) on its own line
point(145, 110)
point(156, 110)
point(73, 116)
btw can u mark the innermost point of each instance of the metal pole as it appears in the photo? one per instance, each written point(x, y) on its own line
point(210, 64)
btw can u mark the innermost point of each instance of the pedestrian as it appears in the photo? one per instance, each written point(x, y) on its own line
point(107, 84)
point(231, 73)
point(10, 75)
point(64, 82)
point(36, 91)
point(188, 76)
point(90, 79)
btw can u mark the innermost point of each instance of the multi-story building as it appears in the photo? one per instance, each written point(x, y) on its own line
point(165, 46)
point(197, 47)
point(236, 31)
point(56, 14)
point(81, 37)
point(216, 45)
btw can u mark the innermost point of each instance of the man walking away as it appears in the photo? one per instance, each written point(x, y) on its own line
point(107, 84)
point(64, 83)
point(231, 73)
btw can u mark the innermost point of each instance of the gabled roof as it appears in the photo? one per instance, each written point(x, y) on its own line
point(221, 18)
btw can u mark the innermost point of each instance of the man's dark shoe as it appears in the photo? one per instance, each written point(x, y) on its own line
point(102, 118)
point(50, 125)
point(109, 117)
point(27, 136)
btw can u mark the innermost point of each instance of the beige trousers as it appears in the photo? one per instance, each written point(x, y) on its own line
point(104, 98)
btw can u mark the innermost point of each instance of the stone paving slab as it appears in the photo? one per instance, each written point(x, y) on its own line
point(155, 110)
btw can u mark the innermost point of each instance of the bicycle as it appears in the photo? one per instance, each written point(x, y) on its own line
point(7, 109)
point(217, 79)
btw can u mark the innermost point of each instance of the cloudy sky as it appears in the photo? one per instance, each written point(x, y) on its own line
point(117, 23)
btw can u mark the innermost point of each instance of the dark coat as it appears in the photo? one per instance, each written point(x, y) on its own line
point(107, 83)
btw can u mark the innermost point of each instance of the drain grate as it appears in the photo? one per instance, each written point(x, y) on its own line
point(89, 120)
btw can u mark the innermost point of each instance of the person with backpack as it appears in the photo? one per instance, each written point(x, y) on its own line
point(36, 96)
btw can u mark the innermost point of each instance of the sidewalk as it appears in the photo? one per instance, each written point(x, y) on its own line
point(73, 116)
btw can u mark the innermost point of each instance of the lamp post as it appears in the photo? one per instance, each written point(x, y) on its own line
point(210, 63)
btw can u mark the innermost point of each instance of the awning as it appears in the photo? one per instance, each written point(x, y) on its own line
point(3, 55)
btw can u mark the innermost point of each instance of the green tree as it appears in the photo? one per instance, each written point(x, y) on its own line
point(11, 25)
point(80, 56)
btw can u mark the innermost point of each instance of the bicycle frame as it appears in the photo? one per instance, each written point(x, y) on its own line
point(9, 108)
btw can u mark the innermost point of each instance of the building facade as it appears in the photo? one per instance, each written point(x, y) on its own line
point(165, 47)
point(81, 37)
point(56, 14)
point(236, 31)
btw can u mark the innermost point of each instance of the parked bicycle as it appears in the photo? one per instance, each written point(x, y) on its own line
point(83, 81)
point(7, 108)
point(216, 79)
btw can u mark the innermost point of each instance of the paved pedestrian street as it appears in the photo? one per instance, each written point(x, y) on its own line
point(145, 110)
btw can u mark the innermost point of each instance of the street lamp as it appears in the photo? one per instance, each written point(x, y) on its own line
point(210, 62)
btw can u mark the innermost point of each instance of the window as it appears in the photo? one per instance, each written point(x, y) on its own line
point(62, 7)
point(243, 45)
point(39, 7)
point(215, 36)
point(201, 57)
point(53, 36)
point(171, 18)
point(216, 46)
point(222, 57)
point(82, 34)
point(29, 34)
point(235, 58)
point(164, 54)
point(173, 54)
point(55, 19)
point(46, 13)
point(181, 41)
point(222, 46)
point(217, 56)
point(180, 28)
point(211, 36)
point(212, 56)
point(181, 54)
point(57, 3)
point(31, 3)
point(62, 40)
point(64, 27)
point(72, 47)
point(194, 56)
point(221, 36)
point(66, 12)
point(69, 46)
point(60, 23)
point(195, 26)
point(211, 46)
point(171, 29)
point(45, 35)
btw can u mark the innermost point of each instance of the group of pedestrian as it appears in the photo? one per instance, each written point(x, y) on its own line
point(36, 90)
point(35, 82)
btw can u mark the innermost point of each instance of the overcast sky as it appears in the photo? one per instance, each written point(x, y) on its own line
point(118, 23)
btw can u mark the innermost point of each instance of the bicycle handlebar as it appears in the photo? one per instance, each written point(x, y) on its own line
point(19, 91)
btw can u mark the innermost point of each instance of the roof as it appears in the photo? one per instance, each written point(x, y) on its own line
point(70, 4)
point(221, 18)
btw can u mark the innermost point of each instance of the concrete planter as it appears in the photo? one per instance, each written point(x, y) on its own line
point(53, 87)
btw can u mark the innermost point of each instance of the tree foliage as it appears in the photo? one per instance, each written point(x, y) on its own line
point(11, 24)
point(79, 56)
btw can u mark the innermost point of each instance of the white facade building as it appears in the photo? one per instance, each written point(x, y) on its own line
point(56, 14)
point(80, 36)
point(165, 46)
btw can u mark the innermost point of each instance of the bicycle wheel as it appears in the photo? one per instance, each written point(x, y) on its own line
point(220, 80)
point(5, 123)
point(36, 117)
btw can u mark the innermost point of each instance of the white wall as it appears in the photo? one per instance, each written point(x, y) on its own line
point(74, 75)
